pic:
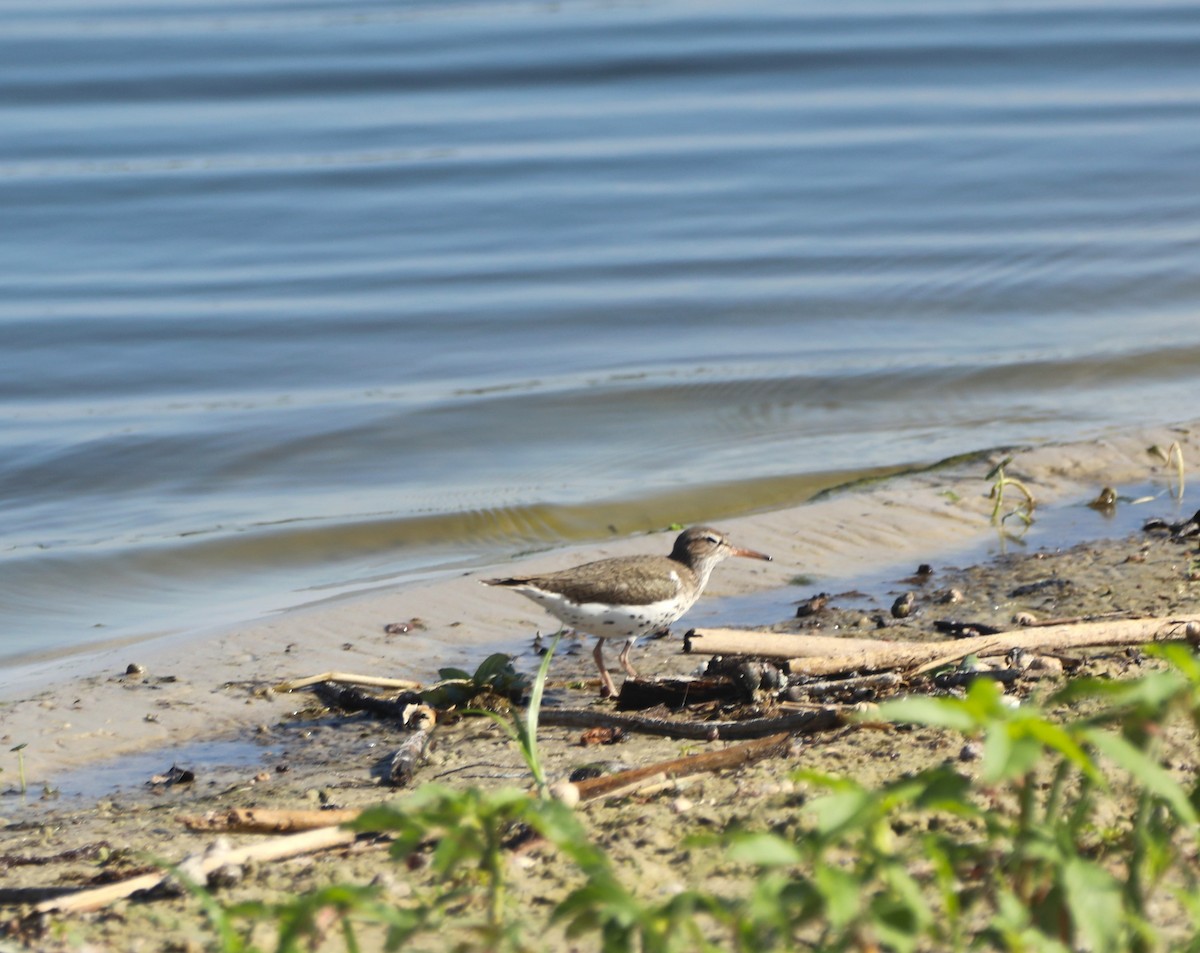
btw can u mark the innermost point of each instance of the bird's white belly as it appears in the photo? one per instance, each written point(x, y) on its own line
point(610, 622)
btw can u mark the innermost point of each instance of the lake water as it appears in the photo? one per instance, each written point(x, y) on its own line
point(303, 297)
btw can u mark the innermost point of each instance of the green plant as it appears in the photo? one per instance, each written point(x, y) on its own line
point(1025, 852)
point(20, 750)
point(999, 481)
point(1026, 856)
point(1077, 880)
point(298, 922)
point(523, 731)
point(1174, 451)
point(495, 675)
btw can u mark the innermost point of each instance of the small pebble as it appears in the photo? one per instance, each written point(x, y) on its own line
point(566, 792)
point(228, 875)
point(134, 669)
point(903, 606)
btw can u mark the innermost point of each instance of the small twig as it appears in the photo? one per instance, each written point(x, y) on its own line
point(290, 845)
point(346, 678)
point(258, 820)
point(975, 648)
point(625, 782)
point(820, 719)
point(1072, 620)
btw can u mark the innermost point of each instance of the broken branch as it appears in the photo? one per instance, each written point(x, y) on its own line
point(623, 782)
point(822, 655)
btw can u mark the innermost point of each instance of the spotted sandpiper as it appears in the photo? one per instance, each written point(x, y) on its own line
point(629, 596)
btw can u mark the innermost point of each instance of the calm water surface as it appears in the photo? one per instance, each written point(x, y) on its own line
point(297, 298)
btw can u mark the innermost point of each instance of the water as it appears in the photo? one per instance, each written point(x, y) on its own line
point(298, 298)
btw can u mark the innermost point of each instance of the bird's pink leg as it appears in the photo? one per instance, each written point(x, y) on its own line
point(623, 658)
point(607, 688)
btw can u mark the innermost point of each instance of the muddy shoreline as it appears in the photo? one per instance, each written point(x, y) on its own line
point(292, 753)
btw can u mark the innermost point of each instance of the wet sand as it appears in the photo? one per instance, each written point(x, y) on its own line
point(282, 750)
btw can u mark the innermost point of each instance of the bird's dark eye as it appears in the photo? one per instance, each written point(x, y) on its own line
point(713, 539)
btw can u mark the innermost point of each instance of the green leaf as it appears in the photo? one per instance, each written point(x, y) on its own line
point(1151, 775)
point(921, 710)
point(843, 894)
point(494, 666)
point(944, 789)
point(998, 468)
point(835, 812)
point(1094, 899)
point(765, 850)
point(1057, 738)
point(529, 737)
point(901, 914)
point(1151, 693)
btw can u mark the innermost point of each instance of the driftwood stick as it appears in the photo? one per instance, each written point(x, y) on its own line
point(625, 781)
point(820, 719)
point(776, 645)
point(290, 845)
point(808, 657)
point(260, 820)
point(348, 678)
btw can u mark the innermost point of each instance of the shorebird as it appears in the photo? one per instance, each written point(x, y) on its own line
point(629, 596)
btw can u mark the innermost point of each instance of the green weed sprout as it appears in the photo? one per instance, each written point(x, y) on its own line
point(1174, 451)
point(20, 750)
point(523, 731)
point(999, 482)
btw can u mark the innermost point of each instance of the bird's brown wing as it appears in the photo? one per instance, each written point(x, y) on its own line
point(634, 581)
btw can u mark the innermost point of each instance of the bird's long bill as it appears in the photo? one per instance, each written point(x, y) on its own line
point(748, 553)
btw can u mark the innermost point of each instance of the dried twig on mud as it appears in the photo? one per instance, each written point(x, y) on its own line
point(290, 845)
point(820, 719)
point(259, 820)
point(349, 678)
